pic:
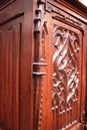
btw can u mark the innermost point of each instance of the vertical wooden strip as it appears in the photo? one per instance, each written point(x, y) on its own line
point(1, 68)
point(36, 113)
point(15, 75)
point(5, 87)
point(9, 91)
point(3, 81)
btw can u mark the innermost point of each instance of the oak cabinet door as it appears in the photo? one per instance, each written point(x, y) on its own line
point(59, 92)
point(66, 76)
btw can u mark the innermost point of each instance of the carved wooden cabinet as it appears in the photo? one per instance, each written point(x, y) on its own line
point(43, 57)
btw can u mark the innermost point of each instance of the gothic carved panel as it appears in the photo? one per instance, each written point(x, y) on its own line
point(65, 76)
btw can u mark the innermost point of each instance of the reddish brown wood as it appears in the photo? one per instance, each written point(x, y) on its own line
point(5, 3)
point(16, 33)
point(43, 65)
point(72, 116)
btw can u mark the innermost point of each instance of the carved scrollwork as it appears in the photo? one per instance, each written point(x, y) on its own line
point(66, 71)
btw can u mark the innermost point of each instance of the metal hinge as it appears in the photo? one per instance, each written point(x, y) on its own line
point(48, 7)
point(51, 8)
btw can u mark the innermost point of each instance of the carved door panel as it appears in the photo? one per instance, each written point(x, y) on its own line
point(66, 76)
point(58, 94)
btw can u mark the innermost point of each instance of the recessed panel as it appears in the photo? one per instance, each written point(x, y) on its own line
point(5, 3)
point(9, 78)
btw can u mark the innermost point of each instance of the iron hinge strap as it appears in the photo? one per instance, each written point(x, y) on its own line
point(50, 8)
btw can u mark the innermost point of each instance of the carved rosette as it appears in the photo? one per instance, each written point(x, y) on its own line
point(65, 75)
point(39, 61)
